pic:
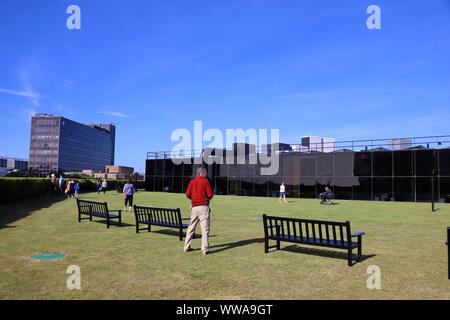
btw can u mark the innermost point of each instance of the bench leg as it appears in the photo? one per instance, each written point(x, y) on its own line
point(79, 217)
point(90, 217)
point(120, 220)
point(181, 234)
point(149, 228)
point(137, 227)
point(266, 245)
point(350, 257)
point(107, 222)
point(278, 244)
point(359, 248)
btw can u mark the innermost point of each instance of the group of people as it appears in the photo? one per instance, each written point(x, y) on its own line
point(70, 189)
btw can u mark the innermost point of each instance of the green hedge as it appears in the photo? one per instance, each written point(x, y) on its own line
point(18, 189)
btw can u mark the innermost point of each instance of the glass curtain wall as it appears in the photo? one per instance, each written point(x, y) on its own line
point(405, 175)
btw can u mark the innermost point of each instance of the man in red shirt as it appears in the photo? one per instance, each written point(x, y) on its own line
point(200, 193)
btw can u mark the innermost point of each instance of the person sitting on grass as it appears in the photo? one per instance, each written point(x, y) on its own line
point(324, 196)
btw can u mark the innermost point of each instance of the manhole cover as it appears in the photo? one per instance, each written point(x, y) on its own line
point(48, 256)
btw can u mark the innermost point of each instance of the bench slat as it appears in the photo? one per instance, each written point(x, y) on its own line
point(307, 229)
point(159, 216)
point(320, 232)
point(305, 240)
point(327, 233)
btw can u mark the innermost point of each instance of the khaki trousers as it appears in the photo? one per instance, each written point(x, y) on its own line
point(198, 214)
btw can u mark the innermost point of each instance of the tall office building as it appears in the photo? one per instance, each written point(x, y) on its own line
point(3, 169)
point(16, 164)
point(60, 144)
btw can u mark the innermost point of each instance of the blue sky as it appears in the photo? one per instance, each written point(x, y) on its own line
point(305, 67)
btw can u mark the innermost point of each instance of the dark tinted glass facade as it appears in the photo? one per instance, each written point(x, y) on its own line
point(404, 175)
point(60, 144)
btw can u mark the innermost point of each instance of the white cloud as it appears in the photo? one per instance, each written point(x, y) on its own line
point(114, 114)
point(33, 96)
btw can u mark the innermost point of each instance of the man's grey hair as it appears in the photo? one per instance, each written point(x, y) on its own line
point(202, 171)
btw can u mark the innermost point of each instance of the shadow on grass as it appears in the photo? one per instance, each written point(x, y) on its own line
point(232, 245)
point(329, 204)
point(112, 223)
point(324, 253)
point(13, 212)
point(174, 232)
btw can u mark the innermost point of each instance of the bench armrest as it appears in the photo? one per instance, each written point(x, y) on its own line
point(358, 234)
point(115, 211)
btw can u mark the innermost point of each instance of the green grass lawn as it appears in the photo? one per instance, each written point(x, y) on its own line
point(405, 240)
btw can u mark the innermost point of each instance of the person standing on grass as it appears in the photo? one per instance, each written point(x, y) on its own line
point(99, 186)
point(200, 193)
point(76, 189)
point(61, 185)
point(54, 182)
point(104, 186)
point(67, 192)
point(128, 191)
point(283, 193)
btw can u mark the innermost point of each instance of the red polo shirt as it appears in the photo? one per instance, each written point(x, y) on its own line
point(199, 191)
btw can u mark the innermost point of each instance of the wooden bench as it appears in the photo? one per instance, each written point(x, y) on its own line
point(161, 217)
point(97, 209)
point(312, 232)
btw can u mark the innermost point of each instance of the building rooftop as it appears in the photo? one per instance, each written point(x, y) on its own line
point(370, 145)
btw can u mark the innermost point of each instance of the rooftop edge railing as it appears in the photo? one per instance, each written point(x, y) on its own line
point(373, 145)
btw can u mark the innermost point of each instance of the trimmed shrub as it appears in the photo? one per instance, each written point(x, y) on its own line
point(18, 189)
